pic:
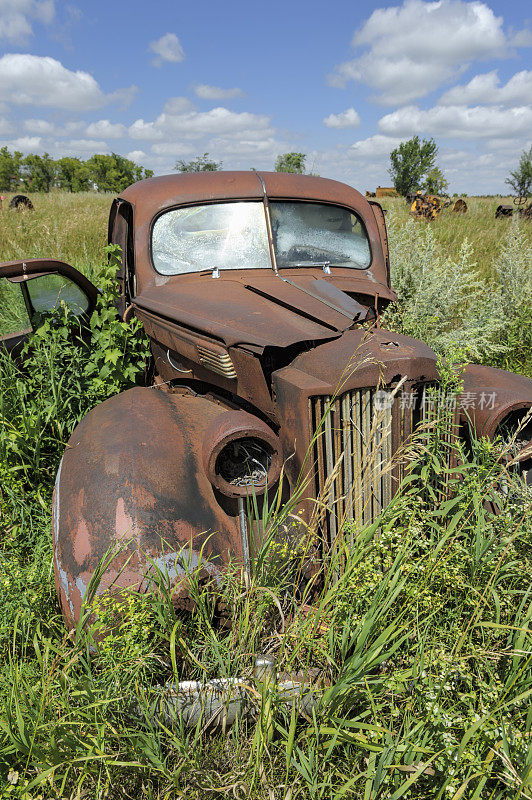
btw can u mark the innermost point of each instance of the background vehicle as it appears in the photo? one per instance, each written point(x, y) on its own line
point(261, 295)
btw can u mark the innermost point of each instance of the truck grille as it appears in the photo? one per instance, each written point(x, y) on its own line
point(355, 437)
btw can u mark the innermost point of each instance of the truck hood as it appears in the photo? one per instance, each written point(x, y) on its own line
point(360, 358)
point(255, 308)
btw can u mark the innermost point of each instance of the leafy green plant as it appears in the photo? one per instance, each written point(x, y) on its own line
point(63, 371)
point(119, 350)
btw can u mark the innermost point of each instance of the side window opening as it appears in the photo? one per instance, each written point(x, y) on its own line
point(46, 292)
point(14, 314)
point(121, 233)
point(22, 299)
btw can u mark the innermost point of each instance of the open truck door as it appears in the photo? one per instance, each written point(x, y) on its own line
point(34, 287)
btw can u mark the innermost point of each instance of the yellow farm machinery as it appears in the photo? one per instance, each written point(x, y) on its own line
point(428, 206)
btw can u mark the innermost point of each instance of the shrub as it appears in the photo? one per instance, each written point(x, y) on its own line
point(510, 299)
point(443, 300)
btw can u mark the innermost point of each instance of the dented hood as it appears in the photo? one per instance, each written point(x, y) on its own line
point(361, 358)
point(256, 308)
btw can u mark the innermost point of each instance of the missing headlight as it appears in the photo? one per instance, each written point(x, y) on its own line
point(244, 462)
point(517, 424)
point(516, 433)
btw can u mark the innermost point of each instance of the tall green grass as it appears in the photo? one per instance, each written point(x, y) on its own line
point(447, 301)
point(415, 631)
point(421, 643)
point(70, 227)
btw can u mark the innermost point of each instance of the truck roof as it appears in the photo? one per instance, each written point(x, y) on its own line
point(153, 194)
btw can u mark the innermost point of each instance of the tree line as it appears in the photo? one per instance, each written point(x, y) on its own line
point(412, 167)
point(105, 172)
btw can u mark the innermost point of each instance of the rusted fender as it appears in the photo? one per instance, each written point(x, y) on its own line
point(490, 397)
point(132, 475)
point(490, 394)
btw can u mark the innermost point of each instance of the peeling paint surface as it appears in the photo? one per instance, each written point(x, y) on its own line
point(155, 504)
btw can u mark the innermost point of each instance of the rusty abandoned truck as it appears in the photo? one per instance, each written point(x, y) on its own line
point(261, 295)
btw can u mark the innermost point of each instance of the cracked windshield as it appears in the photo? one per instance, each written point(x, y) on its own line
point(222, 235)
point(314, 233)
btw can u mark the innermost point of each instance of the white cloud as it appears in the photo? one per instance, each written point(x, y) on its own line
point(43, 81)
point(27, 144)
point(461, 122)
point(105, 128)
point(17, 16)
point(217, 121)
point(346, 119)
point(136, 155)
point(418, 46)
point(196, 124)
point(181, 131)
point(84, 146)
point(377, 145)
point(6, 128)
point(41, 126)
point(144, 130)
point(167, 48)
point(207, 92)
point(486, 88)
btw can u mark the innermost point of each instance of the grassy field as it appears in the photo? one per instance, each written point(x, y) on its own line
point(73, 227)
point(478, 225)
point(420, 626)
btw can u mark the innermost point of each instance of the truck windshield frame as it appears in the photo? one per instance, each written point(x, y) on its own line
point(307, 234)
point(214, 237)
point(208, 237)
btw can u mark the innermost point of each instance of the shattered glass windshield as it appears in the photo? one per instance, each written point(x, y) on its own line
point(216, 236)
point(314, 233)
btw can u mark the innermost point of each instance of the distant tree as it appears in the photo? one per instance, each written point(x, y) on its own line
point(521, 179)
point(114, 173)
point(411, 162)
point(73, 175)
point(291, 162)
point(200, 164)
point(38, 172)
point(435, 182)
point(10, 169)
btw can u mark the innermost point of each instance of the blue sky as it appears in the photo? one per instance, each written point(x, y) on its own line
point(343, 82)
